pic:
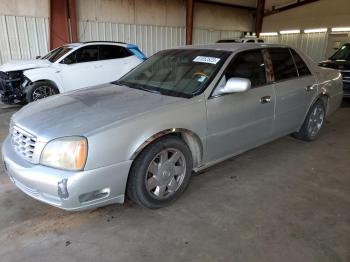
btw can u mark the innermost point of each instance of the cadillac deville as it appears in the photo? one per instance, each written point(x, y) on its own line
point(180, 111)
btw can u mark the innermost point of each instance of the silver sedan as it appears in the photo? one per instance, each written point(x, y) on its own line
point(180, 111)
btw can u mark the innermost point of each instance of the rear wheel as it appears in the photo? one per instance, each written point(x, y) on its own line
point(40, 90)
point(313, 122)
point(161, 173)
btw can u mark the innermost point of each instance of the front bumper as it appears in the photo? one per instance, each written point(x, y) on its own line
point(346, 82)
point(346, 88)
point(12, 89)
point(73, 191)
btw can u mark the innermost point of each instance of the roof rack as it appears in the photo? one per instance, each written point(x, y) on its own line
point(115, 42)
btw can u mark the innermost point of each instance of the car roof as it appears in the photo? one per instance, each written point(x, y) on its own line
point(232, 47)
point(77, 44)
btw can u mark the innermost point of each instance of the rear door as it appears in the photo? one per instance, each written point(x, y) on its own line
point(240, 121)
point(294, 89)
point(306, 79)
point(115, 61)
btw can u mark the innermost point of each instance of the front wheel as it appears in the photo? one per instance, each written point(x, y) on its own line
point(313, 122)
point(40, 90)
point(161, 173)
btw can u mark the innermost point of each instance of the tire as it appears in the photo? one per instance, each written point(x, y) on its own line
point(313, 122)
point(40, 90)
point(161, 173)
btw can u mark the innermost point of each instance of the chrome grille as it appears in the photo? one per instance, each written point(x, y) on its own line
point(346, 76)
point(23, 143)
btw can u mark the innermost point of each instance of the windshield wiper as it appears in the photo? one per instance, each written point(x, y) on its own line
point(140, 87)
point(149, 90)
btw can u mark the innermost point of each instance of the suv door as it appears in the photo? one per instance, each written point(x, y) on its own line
point(116, 61)
point(81, 68)
point(295, 87)
point(240, 121)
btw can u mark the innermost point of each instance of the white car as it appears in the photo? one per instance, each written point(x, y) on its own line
point(66, 68)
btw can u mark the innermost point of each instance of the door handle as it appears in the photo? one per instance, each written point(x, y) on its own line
point(265, 99)
point(310, 88)
point(98, 66)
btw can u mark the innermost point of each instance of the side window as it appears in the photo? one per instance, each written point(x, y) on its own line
point(250, 41)
point(86, 54)
point(248, 64)
point(303, 70)
point(283, 64)
point(113, 52)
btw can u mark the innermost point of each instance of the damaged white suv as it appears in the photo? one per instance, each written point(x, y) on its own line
point(66, 68)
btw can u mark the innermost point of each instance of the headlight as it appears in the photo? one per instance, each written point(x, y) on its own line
point(65, 153)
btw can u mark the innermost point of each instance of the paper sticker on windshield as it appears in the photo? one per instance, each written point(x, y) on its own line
point(206, 59)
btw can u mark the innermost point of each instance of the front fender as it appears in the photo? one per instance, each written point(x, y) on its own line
point(47, 74)
point(122, 141)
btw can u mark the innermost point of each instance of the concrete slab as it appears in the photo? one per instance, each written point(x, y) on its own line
point(285, 201)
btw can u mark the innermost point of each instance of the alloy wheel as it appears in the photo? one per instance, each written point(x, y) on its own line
point(42, 92)
point(316, 120)
point(165, 173)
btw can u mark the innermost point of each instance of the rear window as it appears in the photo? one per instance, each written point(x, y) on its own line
point(113, 52)
point(283, 64)
point(303, 70)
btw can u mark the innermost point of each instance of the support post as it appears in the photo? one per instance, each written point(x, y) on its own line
point(63, 23)
point(189, 21)
point(259, 18)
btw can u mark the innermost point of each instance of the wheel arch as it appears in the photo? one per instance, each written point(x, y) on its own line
point(53, 83)
point(34, 76)
point(190, 138)
point(323, 96)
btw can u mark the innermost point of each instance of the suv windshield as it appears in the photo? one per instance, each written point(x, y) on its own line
point(342, 54)
point(56, 54)
point(179, 72)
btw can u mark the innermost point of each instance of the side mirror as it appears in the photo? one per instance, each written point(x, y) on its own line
point(234, 85)
point(67, 61)
point(38, 57)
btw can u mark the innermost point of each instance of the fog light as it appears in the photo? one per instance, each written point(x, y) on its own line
point(62, 189)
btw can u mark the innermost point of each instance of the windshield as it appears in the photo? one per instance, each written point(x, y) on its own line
point(180, 72)
point(342, 54)
point(56, 54)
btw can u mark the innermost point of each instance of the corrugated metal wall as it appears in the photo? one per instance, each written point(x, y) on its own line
point(206, 36)
point(149, 38)
point(26, 37)
point(22, 37)
point(314, 44)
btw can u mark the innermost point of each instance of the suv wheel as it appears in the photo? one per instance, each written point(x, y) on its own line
point(40, 90)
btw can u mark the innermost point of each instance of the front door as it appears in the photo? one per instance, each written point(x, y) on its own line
point(81, 69)
point(240, 121)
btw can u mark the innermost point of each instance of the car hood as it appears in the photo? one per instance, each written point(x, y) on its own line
point(19, 65)
point(336, 64)
point(84, 111)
